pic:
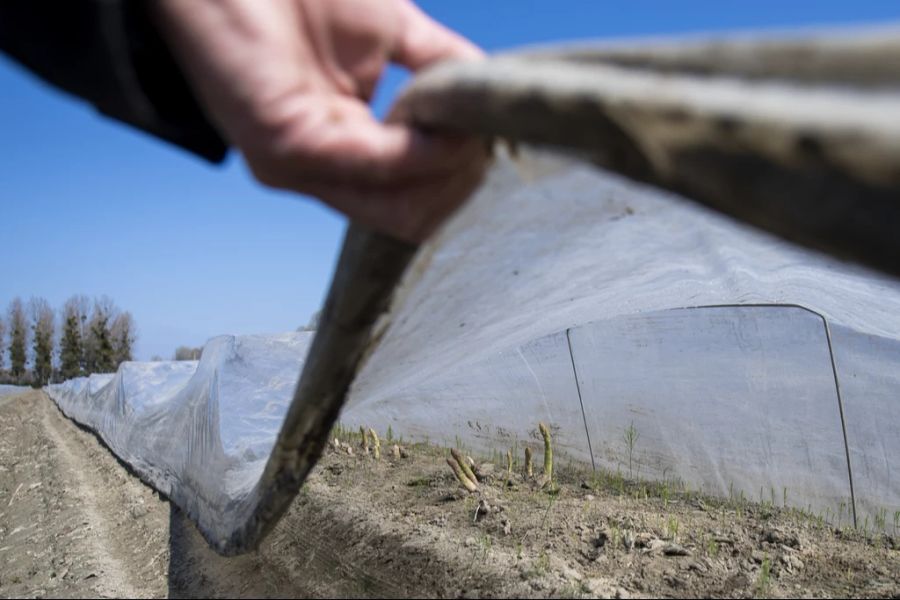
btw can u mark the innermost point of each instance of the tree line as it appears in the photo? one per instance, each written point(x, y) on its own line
point(44, 345)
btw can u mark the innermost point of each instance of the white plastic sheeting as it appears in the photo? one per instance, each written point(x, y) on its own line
point(11, 390)
point(732, 399)
point(566, 295)
point(869, 369)
point(728, 399)
point(199, 432)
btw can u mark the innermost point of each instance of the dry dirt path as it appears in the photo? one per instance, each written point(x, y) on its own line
point(73, 521)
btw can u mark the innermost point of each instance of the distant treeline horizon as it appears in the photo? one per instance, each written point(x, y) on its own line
point(41, 345)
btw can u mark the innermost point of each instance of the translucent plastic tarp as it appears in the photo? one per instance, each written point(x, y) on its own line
point(620, 288)
point(200, 432)
point(573, 315)
point(11, 390)
point(565, 294)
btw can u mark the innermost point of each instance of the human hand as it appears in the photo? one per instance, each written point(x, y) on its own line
point(288, 81)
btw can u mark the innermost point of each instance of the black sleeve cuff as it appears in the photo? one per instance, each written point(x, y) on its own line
point(109, 53)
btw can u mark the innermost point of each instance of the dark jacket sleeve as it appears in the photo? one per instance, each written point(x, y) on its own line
point(109, 53)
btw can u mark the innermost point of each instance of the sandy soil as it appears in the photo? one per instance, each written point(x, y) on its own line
point(74, 522)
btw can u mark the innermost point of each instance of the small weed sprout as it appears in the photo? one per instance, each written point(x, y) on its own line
point(631, 436)
point(542, 564)
point(390, 434)
point(672, 527)
point(616, 537)
point(485, 542)
point(549, 508)
point(764, 580)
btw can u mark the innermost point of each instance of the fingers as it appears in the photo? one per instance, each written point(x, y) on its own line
point(423, 42)
point(286, 83)
point(392, 178)
point(327, 137)
point(314, 134)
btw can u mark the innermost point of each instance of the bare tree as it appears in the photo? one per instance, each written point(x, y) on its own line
point(98, 347)
point(123, 336)
point(188, 353)
point(81, 305)
point(2, 337)
point(42, 328)
point(18, 338)
point(71, 346)
point(313, 322)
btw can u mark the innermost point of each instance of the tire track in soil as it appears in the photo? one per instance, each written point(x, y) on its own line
point(104, 547)
point(73, 521)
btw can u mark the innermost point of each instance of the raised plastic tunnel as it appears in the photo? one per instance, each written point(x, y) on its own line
point(568, 294)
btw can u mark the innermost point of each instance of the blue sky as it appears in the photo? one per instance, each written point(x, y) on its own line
point(193, 250)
